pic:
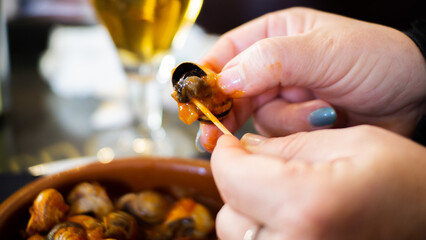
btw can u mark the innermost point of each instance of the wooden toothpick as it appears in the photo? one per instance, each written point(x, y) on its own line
point(210, 116)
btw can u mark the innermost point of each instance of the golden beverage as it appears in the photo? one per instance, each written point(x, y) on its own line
point(143, 29)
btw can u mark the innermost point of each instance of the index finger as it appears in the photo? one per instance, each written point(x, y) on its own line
point(237, 40)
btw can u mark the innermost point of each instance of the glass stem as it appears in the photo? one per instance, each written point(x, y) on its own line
point(145, 94)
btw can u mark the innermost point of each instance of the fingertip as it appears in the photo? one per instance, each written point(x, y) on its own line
point(249, 140)
point(231, 81)
point(228, 146)
point(211, 63)
point(209, 133)
point(231, 224)
point(208, 136)
point(322, 117)
point(227, 140)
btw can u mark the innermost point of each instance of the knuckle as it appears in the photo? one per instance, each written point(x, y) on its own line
point(264, 48)
point(293, 145)
point(365, 131)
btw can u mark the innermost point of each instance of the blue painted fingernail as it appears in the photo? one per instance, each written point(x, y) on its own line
point(198, 146)
point(323, 117)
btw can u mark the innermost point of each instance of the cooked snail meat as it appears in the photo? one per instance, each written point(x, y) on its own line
point(185, 208)
point(194, 81)
point(48, 209)
point(189, 87)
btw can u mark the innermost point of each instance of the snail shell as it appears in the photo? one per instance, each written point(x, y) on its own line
point(148, 206)
point(48, 209)
point(67, 230)
point(121, 226)
point(93, 227)
point(89, 198)
point(191, 80)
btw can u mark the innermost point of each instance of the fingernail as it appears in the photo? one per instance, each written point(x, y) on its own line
point(231, 80)
point(250, 139)
point(198, 145)
point(323, 117)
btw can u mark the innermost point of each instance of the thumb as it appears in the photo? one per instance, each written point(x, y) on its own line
point(316, 146)
point(299, 60)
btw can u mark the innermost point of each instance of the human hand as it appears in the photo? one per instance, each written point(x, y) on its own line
point(355, 183)
point(282, 67)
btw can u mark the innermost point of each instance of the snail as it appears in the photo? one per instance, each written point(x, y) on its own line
point(148, 206)
point(192, 81)
point(48, 209)
point(161, 214)
point(187, 212)
point(94, 228)
point(187, 219)
point(89, 198)
point(121, 226)
point(67, 230)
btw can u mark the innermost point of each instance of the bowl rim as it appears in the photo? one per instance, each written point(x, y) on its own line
point(21, 196)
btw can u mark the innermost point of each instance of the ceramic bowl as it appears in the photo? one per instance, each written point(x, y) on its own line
point(118, 177)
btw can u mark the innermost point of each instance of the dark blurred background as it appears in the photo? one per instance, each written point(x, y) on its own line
point(32, 19)
point(219, 16)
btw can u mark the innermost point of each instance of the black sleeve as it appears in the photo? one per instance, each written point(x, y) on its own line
point(417, 33)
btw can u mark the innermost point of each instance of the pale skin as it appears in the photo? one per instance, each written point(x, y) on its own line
point(288, 63)
point(357, 182)
point(361, 182)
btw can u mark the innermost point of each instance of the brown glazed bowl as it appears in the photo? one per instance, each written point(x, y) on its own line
point(118, 177)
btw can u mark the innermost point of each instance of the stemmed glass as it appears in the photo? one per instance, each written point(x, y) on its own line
point(143, 32)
